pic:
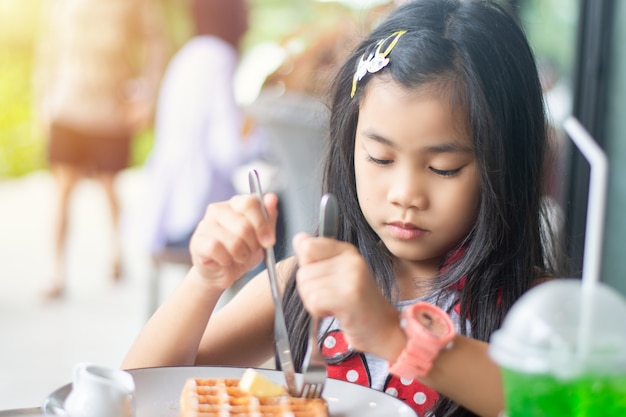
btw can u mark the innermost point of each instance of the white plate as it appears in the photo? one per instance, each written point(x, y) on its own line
point(158, 391)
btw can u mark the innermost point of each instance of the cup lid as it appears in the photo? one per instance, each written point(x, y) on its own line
point(541, 331)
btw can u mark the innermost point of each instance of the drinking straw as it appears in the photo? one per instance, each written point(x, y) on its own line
point(594, 228)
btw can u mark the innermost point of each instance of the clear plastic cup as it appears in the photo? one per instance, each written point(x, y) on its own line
point(546, 371)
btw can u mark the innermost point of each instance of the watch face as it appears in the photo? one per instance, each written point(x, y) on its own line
point(433, 320)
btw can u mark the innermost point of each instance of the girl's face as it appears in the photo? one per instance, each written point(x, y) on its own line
point(416, 176)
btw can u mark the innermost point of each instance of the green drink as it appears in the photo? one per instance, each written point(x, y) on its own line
point(543, 395)
point(602, 395)
point(544, 370)
point(537, 395)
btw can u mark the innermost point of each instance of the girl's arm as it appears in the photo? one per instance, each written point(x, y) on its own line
point(227, 243)
point(173, 333)
point(464, 372)
point(467, 375)
point(184, 331)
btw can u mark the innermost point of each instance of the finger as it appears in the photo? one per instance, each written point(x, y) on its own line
point(321, 284)
point(317, 272)
point(310, 250)
point(212, 257)
point(235, 232)
point(224, 226)
point(296, 245)
point(263, 227)
point(316, 296)
point(346, 275)
point(209, 247)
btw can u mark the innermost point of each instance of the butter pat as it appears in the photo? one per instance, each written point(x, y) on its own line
point(255, 384)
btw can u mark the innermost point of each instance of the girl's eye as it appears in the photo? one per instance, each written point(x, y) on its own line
point(379, 161)
point(445, 172)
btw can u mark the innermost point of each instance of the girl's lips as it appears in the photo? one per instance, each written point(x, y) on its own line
point(406, 231)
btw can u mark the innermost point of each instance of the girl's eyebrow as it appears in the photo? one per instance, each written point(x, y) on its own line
point(449, 147)
point(453, 146)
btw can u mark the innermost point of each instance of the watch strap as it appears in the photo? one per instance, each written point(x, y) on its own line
point(428, 329)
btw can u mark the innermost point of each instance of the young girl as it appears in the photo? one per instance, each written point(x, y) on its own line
point(436, 158)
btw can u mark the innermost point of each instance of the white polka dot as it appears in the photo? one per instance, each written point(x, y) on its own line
point(406, 381)
point(352, 375)
point(419, 398)
point(330, 342)
point(392, 391)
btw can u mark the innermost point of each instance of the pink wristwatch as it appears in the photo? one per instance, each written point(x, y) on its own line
point(428, 329)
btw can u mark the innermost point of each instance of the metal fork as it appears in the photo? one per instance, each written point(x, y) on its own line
point(314, 366)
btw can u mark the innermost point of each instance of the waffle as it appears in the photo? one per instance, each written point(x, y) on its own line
point(220, 397)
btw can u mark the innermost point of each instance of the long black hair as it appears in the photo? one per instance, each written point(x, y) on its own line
point(478, 51)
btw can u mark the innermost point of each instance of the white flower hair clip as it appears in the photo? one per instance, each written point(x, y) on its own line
point(376, 60)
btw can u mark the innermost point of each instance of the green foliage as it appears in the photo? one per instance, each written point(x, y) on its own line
point(21, 145)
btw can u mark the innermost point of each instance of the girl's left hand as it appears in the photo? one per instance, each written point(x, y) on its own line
point(334, 280)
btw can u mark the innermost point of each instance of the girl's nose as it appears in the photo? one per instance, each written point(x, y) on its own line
point(408, 191)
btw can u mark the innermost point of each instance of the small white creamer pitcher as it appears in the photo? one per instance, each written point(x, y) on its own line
point(98, 391)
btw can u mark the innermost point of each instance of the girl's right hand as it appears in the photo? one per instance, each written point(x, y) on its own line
point(230, 239)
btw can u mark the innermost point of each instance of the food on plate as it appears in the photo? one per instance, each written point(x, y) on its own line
point(257, 385)
point(250, 395)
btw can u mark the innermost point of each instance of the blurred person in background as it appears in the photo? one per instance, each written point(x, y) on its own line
point(99, 64)
point(201, 137)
